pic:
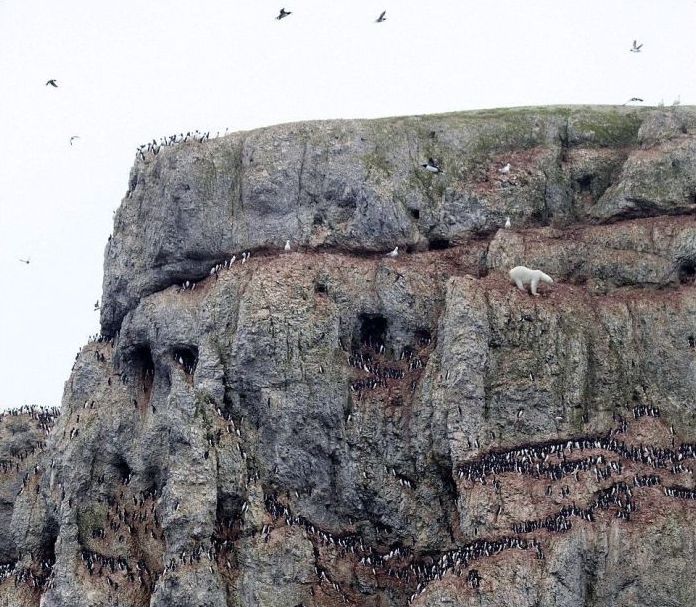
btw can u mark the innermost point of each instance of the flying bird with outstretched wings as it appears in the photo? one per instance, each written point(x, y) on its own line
point(283, 13)
point(26, 261)
point(636, 47)
point(382, 17)
point(73, 138)
point(52, 83)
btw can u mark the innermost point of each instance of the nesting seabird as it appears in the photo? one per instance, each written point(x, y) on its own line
point(382, 17)
point(283, 13)
point(508, 223)
point(431, 166)
point(287, 245)
point(636, 47)
point(505, 170)
point(394, 253)
point(52, 83)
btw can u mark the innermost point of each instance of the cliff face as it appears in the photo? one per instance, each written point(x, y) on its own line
point(330, 425)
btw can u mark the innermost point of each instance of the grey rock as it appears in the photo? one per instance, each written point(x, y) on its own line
point(308, 428)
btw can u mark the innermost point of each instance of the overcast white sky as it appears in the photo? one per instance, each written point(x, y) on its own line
point(134, 70)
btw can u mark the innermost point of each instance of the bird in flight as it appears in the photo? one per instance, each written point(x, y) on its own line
point(636, 47)
point(634, 99)
point(52, 83)
point(283, 13)
point(382, 17)
point(73, 138)
point(96, 305)
point(26, 261)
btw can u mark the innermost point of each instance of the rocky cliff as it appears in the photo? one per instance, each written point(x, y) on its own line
point(331, 426)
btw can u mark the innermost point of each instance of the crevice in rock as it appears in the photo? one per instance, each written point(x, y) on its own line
point(142, 368)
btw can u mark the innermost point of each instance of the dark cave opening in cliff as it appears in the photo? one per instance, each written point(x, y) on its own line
point(187, 357)
point(438, 244)
point(373, 329)
point(687, 271)
point(584, 183)
point(423, 337)
point(124, 472)
point(320, 287)
point(415, 213)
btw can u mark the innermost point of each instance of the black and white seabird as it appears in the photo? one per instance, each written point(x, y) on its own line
point(26, 261)
point(636, 47)
point(73, 138)
point(52, 83)
point(382, 17)
point(634, 99)
point(283, 13)
point(432, 166)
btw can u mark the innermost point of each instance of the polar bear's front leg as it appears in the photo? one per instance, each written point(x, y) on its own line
point(520, 285)
point(534, 283)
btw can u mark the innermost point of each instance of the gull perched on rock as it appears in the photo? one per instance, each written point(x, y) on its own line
point(287, 246)
point(636, 47)
point(508, 223)
point(394, 253)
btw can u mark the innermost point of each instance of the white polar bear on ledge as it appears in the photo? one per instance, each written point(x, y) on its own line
point(521, 276)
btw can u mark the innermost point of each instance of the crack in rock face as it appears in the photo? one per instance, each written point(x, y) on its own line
point(332, 425)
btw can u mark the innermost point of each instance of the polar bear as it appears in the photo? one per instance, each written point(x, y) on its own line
point(521, 276)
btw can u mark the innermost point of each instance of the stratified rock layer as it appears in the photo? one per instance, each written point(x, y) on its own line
point(331, 425)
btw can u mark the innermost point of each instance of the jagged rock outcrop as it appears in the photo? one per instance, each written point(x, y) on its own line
point(331, 425)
